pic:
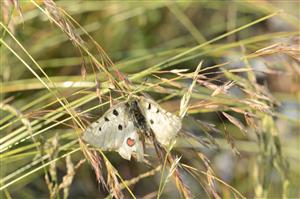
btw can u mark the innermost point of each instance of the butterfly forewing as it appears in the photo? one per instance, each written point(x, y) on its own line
point(113, 130)
point(164, 125)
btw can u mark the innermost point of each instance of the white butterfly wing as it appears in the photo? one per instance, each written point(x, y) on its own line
point(164, 125)
point(131, 144)
point(112, 132)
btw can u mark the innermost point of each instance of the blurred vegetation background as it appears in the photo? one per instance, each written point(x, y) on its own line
point(59, 68)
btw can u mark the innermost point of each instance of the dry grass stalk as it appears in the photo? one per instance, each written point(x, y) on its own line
point(184, 104)
point(95, 160)
point(51, 175)
point(291, 49)
point(210, 173)
point(181, 186)
point(112, 181)
point(236, 122)
point(68, 178)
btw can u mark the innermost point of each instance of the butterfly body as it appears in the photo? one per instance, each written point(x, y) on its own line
point(138, 118)
point(125, 126)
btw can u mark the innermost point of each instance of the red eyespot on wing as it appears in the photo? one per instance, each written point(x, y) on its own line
point(130, 142)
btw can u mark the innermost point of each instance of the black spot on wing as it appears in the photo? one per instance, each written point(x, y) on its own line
point(115, 112)
point(151, 121)
point(157, 111)
point(100, 128)
point(120, 127)
point(149, 106)
point(106, 119)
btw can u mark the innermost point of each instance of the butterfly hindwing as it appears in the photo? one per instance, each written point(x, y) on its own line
point(131, 144)
point(113, 130)
point(164, 125)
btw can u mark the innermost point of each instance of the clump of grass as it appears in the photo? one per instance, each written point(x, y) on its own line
point(224, 101)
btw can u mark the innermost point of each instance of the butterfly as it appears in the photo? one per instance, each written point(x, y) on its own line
point(124, 126)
